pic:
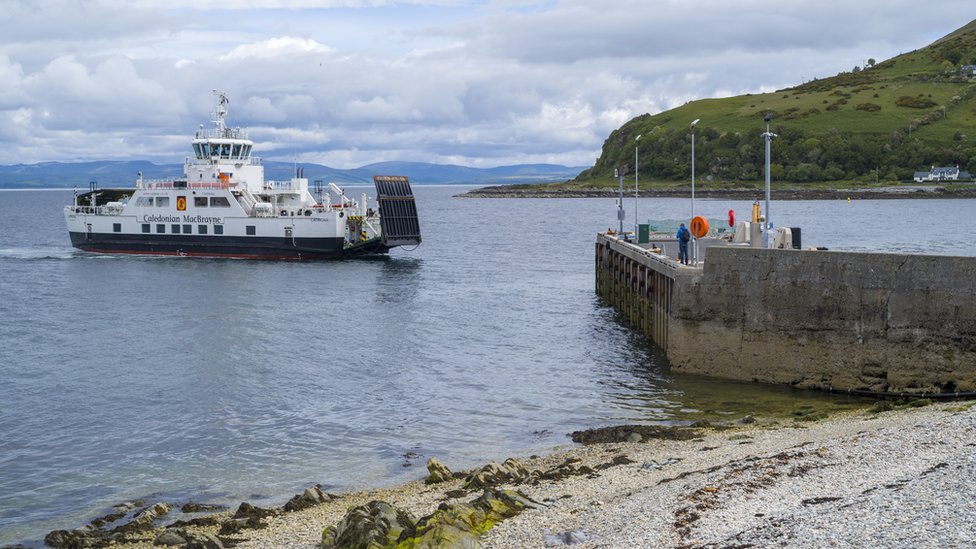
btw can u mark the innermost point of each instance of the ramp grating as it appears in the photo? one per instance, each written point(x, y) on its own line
point(398, 211)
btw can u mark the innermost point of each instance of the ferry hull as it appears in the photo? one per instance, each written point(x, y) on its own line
point(249, 247)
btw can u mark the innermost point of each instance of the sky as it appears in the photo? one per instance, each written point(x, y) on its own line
point(347, 83)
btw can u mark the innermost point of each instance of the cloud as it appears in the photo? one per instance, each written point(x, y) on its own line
point(350, 82)
point(275, 47)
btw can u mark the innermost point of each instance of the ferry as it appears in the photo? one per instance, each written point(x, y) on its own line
point(223, 207)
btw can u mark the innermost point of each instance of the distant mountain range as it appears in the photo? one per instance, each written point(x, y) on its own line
point(124, 173)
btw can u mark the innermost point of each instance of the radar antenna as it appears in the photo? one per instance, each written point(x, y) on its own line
point(220, 112)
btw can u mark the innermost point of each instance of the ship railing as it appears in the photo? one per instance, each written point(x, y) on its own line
point(94, 210)
point(225, 133)
point(280, 186)
point(215, 160)
point(170, 184)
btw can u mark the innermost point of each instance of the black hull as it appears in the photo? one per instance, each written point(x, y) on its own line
point(241, 247)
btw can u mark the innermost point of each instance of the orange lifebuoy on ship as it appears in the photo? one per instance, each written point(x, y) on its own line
point(699, 226)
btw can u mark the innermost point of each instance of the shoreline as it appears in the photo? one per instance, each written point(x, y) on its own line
point(857, 476)
point(914, 192)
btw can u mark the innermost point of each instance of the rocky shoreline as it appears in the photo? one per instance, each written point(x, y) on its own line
point(873, 477)
point(924, 192)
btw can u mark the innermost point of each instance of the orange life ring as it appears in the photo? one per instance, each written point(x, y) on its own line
point(731, 218)
point(699, 226)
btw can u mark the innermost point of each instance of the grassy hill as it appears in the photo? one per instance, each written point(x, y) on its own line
point(876, 123)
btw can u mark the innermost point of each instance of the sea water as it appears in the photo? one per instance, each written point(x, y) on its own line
point(177, 379)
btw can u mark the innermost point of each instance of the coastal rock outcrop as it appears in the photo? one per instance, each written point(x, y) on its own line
point(511, 471)
point(375, 524)
point(95, 535)
point(145, 519)
point(171, 537)
point(438, 471)
point(201, 507)
point(459, 525)
point(623, 433)
point(247, 517)
point(311, 496)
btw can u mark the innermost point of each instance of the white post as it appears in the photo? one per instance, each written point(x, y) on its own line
point(636, 170)
point(620, 203)
point(694, 237)
point(768, 138)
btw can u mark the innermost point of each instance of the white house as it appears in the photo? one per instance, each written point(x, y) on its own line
point(941, 174)
point(969, 71)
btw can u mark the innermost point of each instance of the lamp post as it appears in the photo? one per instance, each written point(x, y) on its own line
point(693, 236)
point(693, 124)
point(620, 204)
point(636, 170)
point(768, 138)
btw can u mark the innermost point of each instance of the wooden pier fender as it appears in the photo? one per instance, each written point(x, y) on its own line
point(634, 285)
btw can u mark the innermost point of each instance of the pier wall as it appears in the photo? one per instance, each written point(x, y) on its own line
point(637, 283)
point(816, 319)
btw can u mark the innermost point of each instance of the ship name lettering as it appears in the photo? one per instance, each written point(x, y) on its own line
point(156, 218)
point(203, 219)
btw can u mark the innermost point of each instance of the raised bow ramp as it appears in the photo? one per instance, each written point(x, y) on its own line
point(398, 211)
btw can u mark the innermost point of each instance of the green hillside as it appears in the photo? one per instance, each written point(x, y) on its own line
point(881, 122)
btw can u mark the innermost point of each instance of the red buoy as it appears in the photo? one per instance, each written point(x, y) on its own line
point(731, 218)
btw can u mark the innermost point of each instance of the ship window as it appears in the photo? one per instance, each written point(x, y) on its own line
point(160, 228)
point(249, 229)
point(196, 149)
point(219, 202)
point(237, 151)
point(176, 229)
point(225, 150)
point(145, 227)
point(117, 227)
point(162, 202)
point(201, 229)
point(218, 229)
point(144, 201)
point(187, 229)
point(247, 151)
point(199, 201)
point(214, 149)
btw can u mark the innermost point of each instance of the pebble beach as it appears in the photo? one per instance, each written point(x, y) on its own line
point(896, 478)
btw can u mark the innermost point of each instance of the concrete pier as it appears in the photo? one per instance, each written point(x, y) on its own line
point(886, 323)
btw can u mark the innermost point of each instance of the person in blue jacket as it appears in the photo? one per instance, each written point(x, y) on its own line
point(684, 235)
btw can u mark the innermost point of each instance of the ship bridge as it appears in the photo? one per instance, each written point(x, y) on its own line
point(221, 142)
point(224, 154)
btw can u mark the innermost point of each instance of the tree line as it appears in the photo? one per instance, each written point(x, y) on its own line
point(797, 155)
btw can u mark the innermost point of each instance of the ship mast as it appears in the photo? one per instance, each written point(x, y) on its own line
point(220, 112)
